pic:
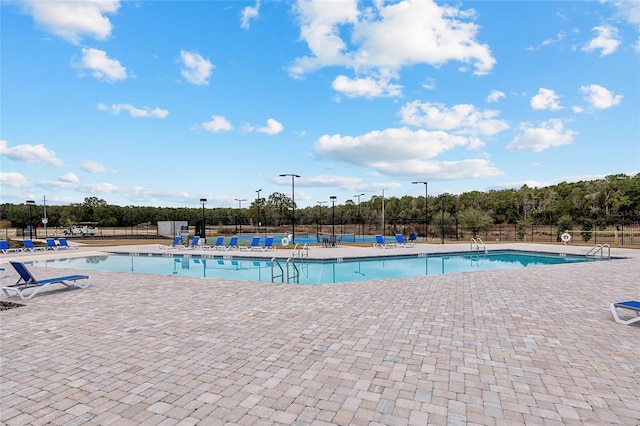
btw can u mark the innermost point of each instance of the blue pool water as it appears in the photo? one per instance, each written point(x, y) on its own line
point(311, 272)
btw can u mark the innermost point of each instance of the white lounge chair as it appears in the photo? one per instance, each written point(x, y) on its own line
point(28, 286)
point(633, 305)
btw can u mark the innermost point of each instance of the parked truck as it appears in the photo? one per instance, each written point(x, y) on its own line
point(83, 229)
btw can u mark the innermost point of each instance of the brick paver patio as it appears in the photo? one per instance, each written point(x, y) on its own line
point(535, 346)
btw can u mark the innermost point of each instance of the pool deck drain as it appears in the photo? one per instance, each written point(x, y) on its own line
point(519, 346)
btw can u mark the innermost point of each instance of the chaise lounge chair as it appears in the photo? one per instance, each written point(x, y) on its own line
point(400, 242)
point(176, 243)
point(268, 244)
point(194, 243)
point(255, 244)
point(633, 305)
point(5, 248)
point(381, 243)
point(65, 245)
point(51, 244)
point(28, 286)
point(28, 245)
point(219, 244)
point(233, 243)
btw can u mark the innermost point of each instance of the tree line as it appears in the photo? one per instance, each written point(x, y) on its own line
point(612, 200)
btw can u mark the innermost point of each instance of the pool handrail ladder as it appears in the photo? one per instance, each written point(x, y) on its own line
point(477, 242)
point(290, 264)
point(599, 248)
point(300, 252)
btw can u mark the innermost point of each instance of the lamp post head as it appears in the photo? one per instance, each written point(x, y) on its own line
point(30, 202)
point(203, 201)
point(333, 198)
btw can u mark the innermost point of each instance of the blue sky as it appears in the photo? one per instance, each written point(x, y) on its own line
point(162, 103)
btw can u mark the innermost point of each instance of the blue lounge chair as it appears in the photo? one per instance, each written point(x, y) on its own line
point(51, 244)
point(633, 305)
point(268, 244)
point(176, 243)
point(194, 243)
point(219, 244)
point(62, 242)
point(28, 286)
point(400, 242)
point(5, 248)
point(381, 243)
point(233, 243)
point(255, 244)
point(413, 237)
point(28, 245)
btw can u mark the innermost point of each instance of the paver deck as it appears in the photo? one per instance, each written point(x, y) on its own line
point(520, 346)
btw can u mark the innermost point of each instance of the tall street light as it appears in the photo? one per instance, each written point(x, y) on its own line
point(239, 200)
point(319, 224)
point(30, 224)
point(293, 202)
point(333, 199)
point(258, 202)
point(360, 215)
point(442, 219)
point(426, 212)
point(203, 232)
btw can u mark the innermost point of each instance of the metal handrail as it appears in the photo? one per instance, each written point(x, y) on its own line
point(599, 248)
point(302, 252)
point(296, 275)
point(274, 262)
point(477, 242)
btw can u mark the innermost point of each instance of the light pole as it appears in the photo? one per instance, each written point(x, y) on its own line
point(258, 202)
point(293, 202)
point(360, 215)
point(442, 219)
point(30, 225)
point(333, 199)
point(319, 224)
point(239, 200)
point(203, 232)
point(426, 212)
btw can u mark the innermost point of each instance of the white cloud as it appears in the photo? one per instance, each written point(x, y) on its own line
point(94, 167)
point(629, 10)
point(549, 134)
point(217, 124)
point(69, 178)
point(13, 180)
point(273, 127)
point(71, 20)
point(495, 96)
point(462, 119)
point(102, 67)
point(366, 87)
point(546, 99)
point(133, 111)
point(388, 36)
point(599, 97)
point(249, 13)
point(401, 152)
point(606, 41)
point(196, 69)
point(30, 154)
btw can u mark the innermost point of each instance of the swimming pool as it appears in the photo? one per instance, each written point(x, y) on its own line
point(311, 271)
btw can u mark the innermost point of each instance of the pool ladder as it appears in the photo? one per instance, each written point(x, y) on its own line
point(479, 244)
point(293, 273)
point(301, 252)
point(599, 248)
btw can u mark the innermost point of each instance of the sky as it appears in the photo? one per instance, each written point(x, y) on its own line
point(162, 103)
